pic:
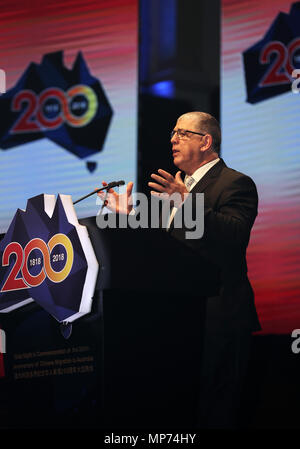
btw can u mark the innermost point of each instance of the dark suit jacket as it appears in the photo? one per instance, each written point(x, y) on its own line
point(230, 208)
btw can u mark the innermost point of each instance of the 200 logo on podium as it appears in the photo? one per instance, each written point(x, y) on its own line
point(42, 265)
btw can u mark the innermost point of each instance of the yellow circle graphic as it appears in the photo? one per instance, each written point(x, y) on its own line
point(59, 276)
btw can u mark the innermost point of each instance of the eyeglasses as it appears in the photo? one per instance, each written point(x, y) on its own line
point(182, 133)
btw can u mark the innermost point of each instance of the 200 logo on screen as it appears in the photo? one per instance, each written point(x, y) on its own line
point(46, 256)
point(269, 64)
point(68, 106)
point(53, 107)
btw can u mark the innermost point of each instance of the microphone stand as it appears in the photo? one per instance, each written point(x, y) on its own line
point(109, 186)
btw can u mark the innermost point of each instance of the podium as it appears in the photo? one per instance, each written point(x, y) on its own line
point(142, 342)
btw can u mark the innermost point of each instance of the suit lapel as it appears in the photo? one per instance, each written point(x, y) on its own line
point(209, 176)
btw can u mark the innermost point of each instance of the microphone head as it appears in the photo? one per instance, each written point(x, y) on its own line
point(115, 184)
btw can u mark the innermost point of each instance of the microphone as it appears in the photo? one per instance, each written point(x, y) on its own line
point(109, 186)
point(114, 184)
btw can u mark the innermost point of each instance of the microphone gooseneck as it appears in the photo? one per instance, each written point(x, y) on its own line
point(107, 187)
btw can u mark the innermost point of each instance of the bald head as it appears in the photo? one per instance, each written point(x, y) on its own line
point(206, 123)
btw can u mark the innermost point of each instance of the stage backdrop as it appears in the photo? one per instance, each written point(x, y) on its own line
point(260, 121)
point(69, 117)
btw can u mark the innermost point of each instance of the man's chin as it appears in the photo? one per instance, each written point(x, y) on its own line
point(176, 162)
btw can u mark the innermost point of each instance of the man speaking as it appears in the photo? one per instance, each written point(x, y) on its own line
point(230, 208)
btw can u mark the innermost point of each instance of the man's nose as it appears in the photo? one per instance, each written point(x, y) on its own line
point(174, 138)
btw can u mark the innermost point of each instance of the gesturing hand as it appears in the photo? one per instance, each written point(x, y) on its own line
point(168, 184)
point(118, 203)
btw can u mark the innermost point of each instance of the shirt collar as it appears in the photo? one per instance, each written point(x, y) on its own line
point(201, 171)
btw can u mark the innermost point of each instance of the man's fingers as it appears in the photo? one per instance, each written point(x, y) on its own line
point(162, 196)
point(165, 174)
point(155, 186)
point(154, 193)
point(129, 188)
point(178, 177)
point(159, 179)
point(104, 183)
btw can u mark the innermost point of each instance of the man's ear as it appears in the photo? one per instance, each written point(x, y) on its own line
point(208, 141)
